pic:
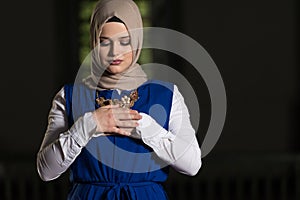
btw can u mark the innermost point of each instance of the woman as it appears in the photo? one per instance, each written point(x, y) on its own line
point(116, 131)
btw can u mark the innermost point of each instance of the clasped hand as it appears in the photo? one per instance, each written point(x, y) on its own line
point(113, 119)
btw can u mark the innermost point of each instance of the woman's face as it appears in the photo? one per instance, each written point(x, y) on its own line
point(115, 47)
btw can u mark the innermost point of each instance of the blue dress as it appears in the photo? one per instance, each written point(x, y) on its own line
point(119, 167)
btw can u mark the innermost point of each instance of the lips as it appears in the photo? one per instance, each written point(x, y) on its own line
point(116, 62)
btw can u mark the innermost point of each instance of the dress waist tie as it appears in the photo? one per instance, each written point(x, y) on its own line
point(121, 190)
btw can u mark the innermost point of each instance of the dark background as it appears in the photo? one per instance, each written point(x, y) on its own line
point(255, 45)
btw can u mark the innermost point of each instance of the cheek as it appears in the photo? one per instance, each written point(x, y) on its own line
point(129, 57)
point(103, 53)
point(125, 49)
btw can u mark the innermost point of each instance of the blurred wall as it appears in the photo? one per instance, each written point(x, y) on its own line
point(28, 82)
point(255, 46)
point(39, 54)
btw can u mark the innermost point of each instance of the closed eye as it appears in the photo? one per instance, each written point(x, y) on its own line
point(124, 41)
point(105, 42)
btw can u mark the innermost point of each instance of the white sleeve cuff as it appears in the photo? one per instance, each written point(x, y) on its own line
point(83, 129)
point(152, 133)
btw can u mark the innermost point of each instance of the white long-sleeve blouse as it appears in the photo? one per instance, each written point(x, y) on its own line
point(61, 145)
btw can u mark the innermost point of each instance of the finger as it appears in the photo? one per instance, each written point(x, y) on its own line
point(127, 123)
point(126, 114)
point(110, 106)
point(131, 116)
point(120, 131)
point(123, 116)
point(128, 130)
point(124, 110)
point(136, 115)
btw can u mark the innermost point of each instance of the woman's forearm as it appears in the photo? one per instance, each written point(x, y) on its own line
point(61, 145)
point(177, 146)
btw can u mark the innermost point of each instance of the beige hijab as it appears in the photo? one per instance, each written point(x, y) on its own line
point(134, 76)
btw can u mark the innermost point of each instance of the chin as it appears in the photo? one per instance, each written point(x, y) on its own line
point(115, 69)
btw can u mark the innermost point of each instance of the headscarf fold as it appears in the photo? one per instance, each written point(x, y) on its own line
point(134, 76)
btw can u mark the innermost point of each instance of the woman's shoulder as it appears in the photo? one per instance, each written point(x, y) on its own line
point(70, 87)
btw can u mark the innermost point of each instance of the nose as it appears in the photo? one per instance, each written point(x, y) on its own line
point(114, 49)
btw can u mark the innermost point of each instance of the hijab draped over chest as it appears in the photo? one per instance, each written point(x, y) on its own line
point(132, 77)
